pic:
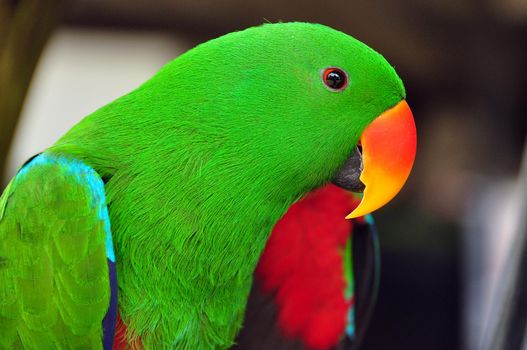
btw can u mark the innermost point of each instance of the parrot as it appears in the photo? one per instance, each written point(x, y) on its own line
point(305, 293)
point(150, 214)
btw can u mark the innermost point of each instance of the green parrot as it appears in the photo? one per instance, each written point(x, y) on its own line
point(150, 214)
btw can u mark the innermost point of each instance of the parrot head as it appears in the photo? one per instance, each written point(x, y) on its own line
point(281, 109)
point(306, 105)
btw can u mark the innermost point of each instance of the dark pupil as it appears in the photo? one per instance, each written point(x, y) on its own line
point(334, 80)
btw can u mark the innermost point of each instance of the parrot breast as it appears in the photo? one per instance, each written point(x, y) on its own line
point(303, 267)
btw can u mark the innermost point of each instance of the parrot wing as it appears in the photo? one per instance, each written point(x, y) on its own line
point(57, 272)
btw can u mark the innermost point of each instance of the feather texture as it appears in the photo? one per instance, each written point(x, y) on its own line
point(55, 240)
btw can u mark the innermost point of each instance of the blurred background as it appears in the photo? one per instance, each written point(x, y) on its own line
point(447, 239)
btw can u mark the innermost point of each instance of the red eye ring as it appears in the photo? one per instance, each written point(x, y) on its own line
point(335, 78)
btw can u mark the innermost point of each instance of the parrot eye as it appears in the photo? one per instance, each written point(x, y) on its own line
point(335, 79)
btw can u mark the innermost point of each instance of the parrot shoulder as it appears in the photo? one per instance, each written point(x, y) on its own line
point(57, 265)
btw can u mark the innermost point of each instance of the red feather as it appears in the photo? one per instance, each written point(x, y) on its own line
point(119, 342)
point(302, 263)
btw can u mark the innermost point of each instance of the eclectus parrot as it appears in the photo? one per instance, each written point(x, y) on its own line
point(152, 212)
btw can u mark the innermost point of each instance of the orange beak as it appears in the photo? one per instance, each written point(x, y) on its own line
point(388, 152)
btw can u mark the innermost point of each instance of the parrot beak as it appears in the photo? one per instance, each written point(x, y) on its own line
point(388, 152)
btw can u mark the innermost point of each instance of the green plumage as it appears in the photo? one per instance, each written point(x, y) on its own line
point(54, 285)
point(199, 163)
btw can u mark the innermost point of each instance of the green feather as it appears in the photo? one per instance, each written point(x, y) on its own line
point(54, 287)
point(348, 268)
